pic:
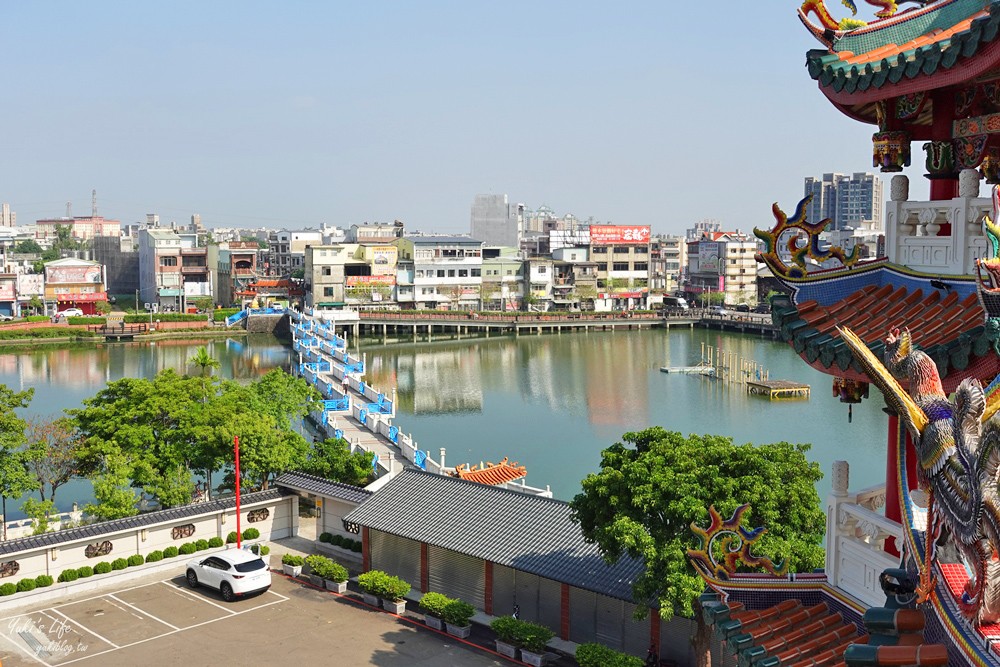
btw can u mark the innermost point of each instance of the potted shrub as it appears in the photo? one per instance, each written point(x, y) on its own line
point(335, 577)
point(533, 638)
point(372, 584)
point(599, 655)
point(506, 629)
point(291, 564)
point(433, 605)
point(393, 594)
point(457, 618)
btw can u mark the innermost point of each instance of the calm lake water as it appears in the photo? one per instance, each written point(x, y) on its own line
point(549, 402)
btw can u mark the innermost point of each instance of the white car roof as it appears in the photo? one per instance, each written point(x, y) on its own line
point(237, 555)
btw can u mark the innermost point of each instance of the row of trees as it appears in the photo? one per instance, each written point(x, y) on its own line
point(156, 436)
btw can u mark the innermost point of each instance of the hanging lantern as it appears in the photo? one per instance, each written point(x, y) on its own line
point(849, 391)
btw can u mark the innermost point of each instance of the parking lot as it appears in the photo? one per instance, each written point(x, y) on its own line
point(163, 622)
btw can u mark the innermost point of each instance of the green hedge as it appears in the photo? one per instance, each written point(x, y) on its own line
point(251, 534)
point(383, 585)
point(69, 575)
point(141, 318)
point(201, 545)
point(135, 559)
point(231, 537)
point(326, 538)
point(26, 585)
point(8, 589)
point(598, 655)
point(154, 556)
point(84, 572)
point(170, 552)
point(43, 580)
point(102, 568)
point(51, 332)
point(520, 633)
point(214, 542)
point(292, 559)
point(220, 314)
point(260, 549)
point(119, 564)
point(434, 603)
point(187, 549)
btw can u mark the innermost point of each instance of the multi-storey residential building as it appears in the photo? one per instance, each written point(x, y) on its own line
point(621, 253)
point(497, 222)
point(7, 217)
point(286, 250)
point(73, 283)
point(539, 280)
point(848, 201)
point(446, 271)
point(701, 228)
point(234, 265)
point(80, 228)
point(667, 259)
point(355, 274)
point(172, 269)
point(375, 232)
point(722, 262)
point(503, 279)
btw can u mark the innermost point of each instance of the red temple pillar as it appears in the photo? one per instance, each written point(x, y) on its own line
point(366, 553)
point(488, 593)
point(424, 569)
point(564, 613)
point(944, 183)
point(893, 492)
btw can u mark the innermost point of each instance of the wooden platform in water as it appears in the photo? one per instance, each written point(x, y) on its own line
point(778, 388)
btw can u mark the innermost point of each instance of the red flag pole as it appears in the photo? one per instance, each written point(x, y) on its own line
point(236, 448)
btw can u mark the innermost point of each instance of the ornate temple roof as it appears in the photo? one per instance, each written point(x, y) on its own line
point(948, 327)
point(493, 474)
point(951, 41)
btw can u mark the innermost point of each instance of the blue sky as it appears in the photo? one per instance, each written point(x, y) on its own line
point(297, 113)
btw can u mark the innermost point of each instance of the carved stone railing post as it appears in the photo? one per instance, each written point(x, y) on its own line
point(841, 479)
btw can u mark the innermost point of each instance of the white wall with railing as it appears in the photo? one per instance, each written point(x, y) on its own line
point(917, 233)
point(857, 533)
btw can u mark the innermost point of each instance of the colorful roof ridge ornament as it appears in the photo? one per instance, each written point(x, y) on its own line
point(493, 474)
point(798, 251)
point(732, 539)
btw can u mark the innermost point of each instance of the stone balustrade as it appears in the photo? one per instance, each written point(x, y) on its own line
point(941, 237)
point(857, 535)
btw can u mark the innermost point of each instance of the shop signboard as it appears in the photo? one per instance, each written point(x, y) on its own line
point(619, 234)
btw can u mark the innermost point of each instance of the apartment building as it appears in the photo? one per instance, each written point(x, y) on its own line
point(503, 279)
point(722, 262)
point(172, 269)
point(80, 228)
point(446, 272)
point(622, 255)
point(350, 274)
point(853, 201)
point(69, 283)
point(234, 268)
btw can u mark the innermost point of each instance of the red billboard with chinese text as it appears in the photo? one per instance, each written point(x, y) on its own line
point(611, 234)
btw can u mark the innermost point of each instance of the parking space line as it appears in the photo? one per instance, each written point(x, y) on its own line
point(158, 620)
point(84, 627)
point(192, 594)
point(25, 651)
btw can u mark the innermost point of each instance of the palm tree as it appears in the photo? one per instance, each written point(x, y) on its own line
point(204, 361)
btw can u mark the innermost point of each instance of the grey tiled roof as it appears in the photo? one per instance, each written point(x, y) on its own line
point(528, 533)
point(103, 528)
point(300, 481)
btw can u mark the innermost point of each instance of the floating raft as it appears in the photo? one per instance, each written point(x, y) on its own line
point(778, 388)
point(690, 370)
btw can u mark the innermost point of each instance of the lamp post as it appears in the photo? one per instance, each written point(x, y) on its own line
point(236, 449)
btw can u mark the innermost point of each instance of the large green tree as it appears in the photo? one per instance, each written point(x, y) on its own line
point(332, 459)
point(16, 478)
point(655, 483)
point(55, 459)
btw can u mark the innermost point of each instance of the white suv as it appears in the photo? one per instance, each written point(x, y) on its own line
point(233, 573)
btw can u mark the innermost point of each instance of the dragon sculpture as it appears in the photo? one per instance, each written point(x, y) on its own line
point(818, 7)
point(958, 462)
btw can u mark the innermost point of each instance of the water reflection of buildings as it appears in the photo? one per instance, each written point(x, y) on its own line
point(419, 380)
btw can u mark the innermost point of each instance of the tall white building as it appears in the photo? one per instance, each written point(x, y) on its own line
point(850, 202)
point(496, 222)
point(7, 219)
